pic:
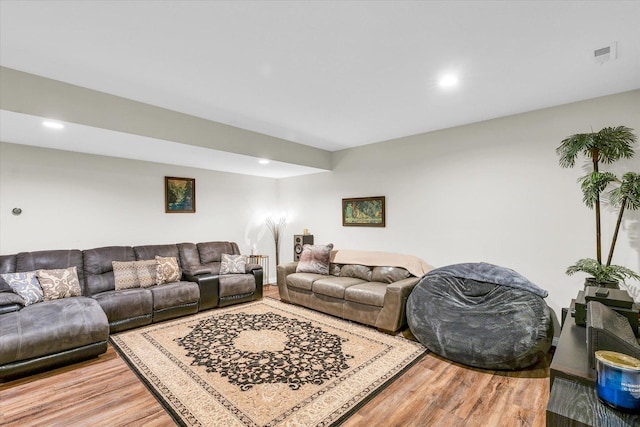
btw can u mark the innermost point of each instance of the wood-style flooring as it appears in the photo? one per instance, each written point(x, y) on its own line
point(434, 392)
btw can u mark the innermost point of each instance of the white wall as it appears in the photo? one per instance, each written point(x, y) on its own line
point(490, 191)
point(71, 200)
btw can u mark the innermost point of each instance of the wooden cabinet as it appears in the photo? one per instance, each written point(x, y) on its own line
point(573, 400)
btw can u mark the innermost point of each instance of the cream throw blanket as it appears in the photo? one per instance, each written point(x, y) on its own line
point(413, 264)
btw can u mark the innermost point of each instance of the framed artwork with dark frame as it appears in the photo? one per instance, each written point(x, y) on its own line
point(179, 195)
point(363, 212)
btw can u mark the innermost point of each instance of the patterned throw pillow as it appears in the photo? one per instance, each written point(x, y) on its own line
point(315, 259)
point(233, 264)
point(26, 285)
point(125, 275)
point(168, 270)
point(147, 272)
point(59, 283)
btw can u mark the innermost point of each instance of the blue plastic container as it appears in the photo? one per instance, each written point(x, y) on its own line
point(618, 380)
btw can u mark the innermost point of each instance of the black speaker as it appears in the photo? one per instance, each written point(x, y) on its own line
point(298, 241)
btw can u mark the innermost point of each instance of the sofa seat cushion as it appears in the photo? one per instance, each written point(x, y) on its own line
point(369, 293)
point(175, 294)
point(126, 304)
point(303, 280)
point(236, 284)
point(334, 286)
point(51, 327)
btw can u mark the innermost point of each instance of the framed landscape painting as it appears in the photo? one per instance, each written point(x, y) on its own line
point(363, 212)
point(179, 195)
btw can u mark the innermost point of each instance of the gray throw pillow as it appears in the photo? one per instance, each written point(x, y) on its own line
point(315, 259)
point(26, 285)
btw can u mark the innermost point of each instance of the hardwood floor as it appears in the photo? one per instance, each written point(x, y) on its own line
point(434, 392)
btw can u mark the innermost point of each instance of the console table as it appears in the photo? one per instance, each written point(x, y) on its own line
point(573, 400)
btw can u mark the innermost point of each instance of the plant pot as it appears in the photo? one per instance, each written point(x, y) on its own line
point(591, 281)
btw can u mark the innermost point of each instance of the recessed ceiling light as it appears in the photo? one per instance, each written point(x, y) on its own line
point(52, 125)
point(263, 161)
point(448, 80)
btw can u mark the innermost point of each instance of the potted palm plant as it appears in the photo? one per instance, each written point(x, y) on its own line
point(606, 146)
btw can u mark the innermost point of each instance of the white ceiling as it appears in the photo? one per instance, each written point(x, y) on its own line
point(26, 129)
point(329, 74)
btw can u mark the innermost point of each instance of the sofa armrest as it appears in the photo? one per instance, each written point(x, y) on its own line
point(258, 275)
point(196, 271)
point(283, 270)
point(209, 289)
point(249, 267)
point(404, 286)
point(10, 302)
point(393, 314)
point(288, 268)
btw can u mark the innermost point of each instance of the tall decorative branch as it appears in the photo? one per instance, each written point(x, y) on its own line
point(276, 227)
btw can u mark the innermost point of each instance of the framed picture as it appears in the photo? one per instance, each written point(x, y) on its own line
point(179, 195)
point(363, 212)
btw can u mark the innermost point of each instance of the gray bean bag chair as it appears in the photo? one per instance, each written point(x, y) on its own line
point(481, 315)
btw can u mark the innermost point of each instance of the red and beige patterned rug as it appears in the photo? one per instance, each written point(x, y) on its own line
point(264, 363)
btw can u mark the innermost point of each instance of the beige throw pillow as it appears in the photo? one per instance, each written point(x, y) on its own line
point(59, 283)
point(125, 275)
point(168, 270)
point(233, 264)
point(147, 272)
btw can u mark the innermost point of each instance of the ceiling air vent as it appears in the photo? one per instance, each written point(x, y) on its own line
point(605, 54)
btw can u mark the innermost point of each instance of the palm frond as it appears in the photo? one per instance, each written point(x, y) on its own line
point(572, 146)
point(628, 192)
point(593, 185)
point(615, 143)
point(602, 273)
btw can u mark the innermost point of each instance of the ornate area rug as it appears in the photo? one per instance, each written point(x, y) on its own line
point(264, 363)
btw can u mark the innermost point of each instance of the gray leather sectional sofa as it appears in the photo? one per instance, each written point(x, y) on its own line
point(55, 332)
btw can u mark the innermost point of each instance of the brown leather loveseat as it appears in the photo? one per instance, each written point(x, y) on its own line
point(364, 286)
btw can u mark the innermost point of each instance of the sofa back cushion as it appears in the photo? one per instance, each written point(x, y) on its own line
point(52, 260)
point(357, 271)
point(98, 267)
point(212, 251)
point(389, 274)
point(334, 269)
point(7, 265)
point(152, 251)
point(189, 256)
